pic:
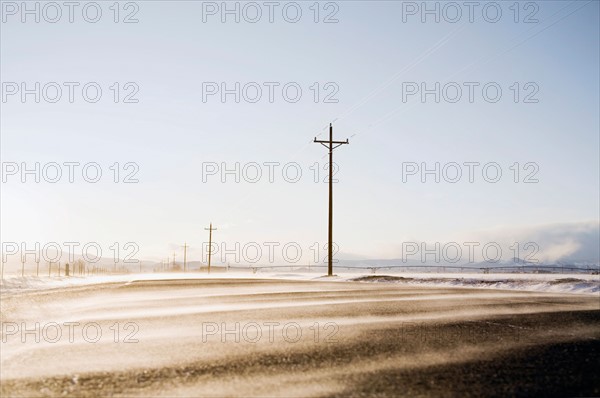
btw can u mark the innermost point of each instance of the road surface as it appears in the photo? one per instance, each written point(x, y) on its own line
point(286, 338)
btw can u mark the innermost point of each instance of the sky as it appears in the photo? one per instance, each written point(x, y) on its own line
point(171, 118)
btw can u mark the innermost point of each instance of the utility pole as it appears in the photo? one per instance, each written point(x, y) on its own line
point(331, 145)
point(209, 229)
point(22, 266)
point(185, 246)
point(173, 266)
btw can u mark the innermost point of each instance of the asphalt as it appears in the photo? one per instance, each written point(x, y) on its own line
point(277, 338)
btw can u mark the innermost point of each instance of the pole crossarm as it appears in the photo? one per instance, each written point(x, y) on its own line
point(331, 142)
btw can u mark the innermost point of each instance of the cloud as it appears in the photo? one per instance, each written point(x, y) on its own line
point(566, 242)
point(548, 243)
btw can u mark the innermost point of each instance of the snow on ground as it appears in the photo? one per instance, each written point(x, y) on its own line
point(291, 334)
point(554, 283)
point(579, 284)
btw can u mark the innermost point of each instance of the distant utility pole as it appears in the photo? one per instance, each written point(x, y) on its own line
point(22, 266)
point(209, 229)
point(331, 145)
point(173, 266)
point(185, 246)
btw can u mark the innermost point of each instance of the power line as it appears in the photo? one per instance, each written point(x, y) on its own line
point(330, 145)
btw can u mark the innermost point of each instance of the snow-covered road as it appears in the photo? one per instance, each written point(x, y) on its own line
point(228, 336)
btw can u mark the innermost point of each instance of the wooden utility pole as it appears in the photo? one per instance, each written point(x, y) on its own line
point(22, 266)
point(209, 229)
point(331, 145)
point(173, 265)
point(185, 246)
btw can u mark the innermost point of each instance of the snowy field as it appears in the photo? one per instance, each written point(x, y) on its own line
point(300, 335)
point(558, 283)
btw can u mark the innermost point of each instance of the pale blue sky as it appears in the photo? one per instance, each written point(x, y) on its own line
point(368, 54)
